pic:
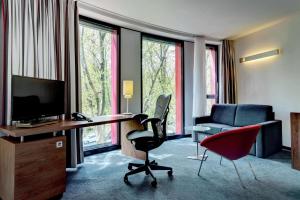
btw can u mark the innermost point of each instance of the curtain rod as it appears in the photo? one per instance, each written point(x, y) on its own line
point(133, 21)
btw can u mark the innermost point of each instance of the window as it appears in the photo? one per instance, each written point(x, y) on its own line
point(211, 76)
point(98, 80)
point(162, 74)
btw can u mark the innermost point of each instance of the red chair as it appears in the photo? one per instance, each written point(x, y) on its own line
point(233, 145)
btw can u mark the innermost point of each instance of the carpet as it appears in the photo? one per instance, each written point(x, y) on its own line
point(101, 177)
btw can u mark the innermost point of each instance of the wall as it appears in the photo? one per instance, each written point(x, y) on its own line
point(274, 81)
point(131, 68)
point(188, 82)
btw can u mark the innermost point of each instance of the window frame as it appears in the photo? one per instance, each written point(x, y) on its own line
point(170, 40)
point(216, 48)
point(101, 147)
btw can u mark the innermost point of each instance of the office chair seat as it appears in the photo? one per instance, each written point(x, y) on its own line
point(139, 135)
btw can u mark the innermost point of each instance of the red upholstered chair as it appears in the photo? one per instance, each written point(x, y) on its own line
point(233, 144)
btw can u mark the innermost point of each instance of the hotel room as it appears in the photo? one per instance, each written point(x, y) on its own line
point(161, 99)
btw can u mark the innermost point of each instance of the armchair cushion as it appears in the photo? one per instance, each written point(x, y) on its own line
point(223, 113)
point(248, 114)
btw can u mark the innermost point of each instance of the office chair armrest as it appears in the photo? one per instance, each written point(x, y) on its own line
point(140, 117)
point(152, 120)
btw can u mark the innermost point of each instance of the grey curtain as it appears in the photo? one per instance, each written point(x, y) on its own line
point(228, 73)
point(42, 38)
point(3, 68)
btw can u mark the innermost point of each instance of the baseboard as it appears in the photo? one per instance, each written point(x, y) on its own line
point(173, 137)
point(101, 150)
point(285, 148)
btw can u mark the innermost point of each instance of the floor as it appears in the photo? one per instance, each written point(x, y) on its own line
point(101, 177)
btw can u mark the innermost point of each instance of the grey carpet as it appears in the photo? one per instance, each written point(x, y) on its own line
point(101, 177)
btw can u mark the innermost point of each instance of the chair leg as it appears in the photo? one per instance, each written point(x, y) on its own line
point(252, 170)
point(237, 172)
point(203, 158)
point(158, 167)
point(149, 172)
point(137, 170)
point(135, 165)
point(221, 160)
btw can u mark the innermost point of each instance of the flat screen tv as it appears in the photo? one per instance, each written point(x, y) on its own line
point(34, 98)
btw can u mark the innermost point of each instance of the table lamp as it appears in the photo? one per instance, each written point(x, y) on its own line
point(127, 91)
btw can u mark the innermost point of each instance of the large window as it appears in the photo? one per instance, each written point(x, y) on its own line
point(162, 74)
point(98, 80)
point(211, 76)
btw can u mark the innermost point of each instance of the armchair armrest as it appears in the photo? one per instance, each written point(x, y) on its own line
point(269, 139)
point(200, 120)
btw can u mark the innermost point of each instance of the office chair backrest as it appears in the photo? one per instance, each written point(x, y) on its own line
point(161, 112)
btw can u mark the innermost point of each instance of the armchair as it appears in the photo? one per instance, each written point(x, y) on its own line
point(232, 144)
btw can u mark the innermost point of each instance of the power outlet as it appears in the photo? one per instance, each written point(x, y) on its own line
point(59, 144)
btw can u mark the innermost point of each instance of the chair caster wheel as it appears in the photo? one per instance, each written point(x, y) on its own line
point(126, 179)
point(129, 167)
point(170, 173)
point(147, 173)
point(154, 183)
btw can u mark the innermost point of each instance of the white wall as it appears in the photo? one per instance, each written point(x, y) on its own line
point(274, 81)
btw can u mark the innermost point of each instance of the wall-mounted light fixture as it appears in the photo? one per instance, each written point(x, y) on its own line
point(260, 55)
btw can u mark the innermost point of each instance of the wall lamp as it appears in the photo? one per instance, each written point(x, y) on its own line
point(260, 55)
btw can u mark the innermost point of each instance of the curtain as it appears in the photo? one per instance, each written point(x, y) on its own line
point(3, 66)
point(228, 74)
point(42, 42)
point(114, 82)
point(199, 79)
point(178, 83)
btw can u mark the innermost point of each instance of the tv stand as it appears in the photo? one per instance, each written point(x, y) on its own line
point(36, 123)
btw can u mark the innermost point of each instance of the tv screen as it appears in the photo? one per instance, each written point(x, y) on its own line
point(34, 98)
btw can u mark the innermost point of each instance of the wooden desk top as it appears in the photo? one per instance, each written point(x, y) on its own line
point(63, 125)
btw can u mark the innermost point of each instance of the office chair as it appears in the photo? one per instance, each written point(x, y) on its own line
point(233, 145)
point(146, 140)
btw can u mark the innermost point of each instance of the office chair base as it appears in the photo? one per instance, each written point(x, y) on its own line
point(147, 167)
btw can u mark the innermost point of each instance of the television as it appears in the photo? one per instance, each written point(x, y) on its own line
point(33, 99)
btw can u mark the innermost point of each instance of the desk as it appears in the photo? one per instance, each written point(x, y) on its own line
point(21, 159)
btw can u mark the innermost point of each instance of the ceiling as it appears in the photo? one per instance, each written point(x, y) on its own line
point(212, 18)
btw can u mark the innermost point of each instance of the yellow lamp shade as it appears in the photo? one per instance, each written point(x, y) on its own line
point(128, 88)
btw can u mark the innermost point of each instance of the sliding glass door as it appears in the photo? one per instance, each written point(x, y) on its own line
point(162, 74)
point(98, 81)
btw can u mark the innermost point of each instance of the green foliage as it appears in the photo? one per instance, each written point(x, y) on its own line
point(95, 59)
point(159, 77)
